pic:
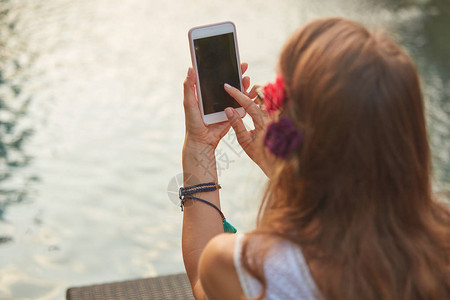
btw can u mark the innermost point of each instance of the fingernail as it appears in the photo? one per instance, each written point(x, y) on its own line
point(226, 85)
point(228, 112)
point(189, 72)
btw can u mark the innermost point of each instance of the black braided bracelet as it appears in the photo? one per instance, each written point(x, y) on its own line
point(185, 193)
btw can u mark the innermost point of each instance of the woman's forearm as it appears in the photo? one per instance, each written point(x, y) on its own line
point(201, 222)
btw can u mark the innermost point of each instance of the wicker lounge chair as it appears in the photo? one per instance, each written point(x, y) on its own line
point(163, 287)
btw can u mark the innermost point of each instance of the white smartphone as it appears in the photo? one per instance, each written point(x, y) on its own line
point(215, 58)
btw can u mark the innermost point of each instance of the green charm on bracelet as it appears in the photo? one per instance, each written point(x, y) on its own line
point(227, 227)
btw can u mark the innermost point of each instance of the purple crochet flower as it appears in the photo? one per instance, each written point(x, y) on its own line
point(282, 137)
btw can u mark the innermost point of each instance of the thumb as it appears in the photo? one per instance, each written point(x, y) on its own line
point(190, 102)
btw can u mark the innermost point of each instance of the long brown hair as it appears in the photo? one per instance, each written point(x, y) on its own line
point(356, 196)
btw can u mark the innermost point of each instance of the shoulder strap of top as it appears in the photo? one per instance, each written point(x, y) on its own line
point(305, 272)
point(250, 286)
point(287, 274)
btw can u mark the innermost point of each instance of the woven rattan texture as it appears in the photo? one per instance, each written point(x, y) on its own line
point(164, 287)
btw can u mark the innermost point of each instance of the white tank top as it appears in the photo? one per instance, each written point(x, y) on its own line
point(286, 271)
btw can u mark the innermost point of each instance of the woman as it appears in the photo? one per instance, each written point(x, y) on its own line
point(348, 211)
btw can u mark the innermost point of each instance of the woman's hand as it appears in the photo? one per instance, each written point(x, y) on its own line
point(251, 141)
point(197, 133)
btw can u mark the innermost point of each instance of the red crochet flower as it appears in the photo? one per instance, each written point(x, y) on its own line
point(274, 95)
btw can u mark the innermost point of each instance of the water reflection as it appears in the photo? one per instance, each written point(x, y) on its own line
point(14, 103)
point(90, 103)
point(428, 42)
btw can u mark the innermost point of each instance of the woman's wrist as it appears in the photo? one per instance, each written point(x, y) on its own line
point(199, 160)
point(266, 169)
point(195, 147)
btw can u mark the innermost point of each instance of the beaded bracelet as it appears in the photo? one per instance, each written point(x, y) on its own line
point(186, 193)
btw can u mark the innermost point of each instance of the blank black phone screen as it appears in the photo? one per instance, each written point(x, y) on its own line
point(217, 64)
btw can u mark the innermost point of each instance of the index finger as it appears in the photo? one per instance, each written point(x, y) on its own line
point(244, 67)
point(250, 107)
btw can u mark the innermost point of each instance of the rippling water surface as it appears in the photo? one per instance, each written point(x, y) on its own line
point(91, 126)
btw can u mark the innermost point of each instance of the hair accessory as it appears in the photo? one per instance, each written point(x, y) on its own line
point(282, 137)
point(185, 193)
point(272, 95)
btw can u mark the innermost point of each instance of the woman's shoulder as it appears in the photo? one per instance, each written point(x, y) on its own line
point(223, 276)
point(220, 249)
point(216, 268)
